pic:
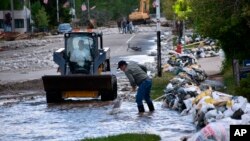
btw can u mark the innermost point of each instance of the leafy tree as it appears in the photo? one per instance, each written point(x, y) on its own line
point(168, 8)
point(51, 10)
point(225, 20)
point(6, 4)
point(244, 88)
point(39, 15)
point(35, 7)
point(65, 17)
point(42, 18)
point(182, 9)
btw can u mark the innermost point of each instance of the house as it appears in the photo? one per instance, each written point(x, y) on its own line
point(21, 20)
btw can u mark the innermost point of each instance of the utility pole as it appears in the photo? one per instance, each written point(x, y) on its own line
point(158, 28)
point(57, 11)
point(12, 16)
point(88, 10)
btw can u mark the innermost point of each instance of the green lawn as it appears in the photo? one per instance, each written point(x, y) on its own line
point(159, 84)
point(231, 88)
point(128, 137)
point(229, 80)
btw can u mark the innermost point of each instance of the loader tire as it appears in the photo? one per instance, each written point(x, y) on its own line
point(54, 97)
point(110, 95)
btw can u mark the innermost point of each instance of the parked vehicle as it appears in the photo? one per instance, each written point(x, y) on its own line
point(64, 28)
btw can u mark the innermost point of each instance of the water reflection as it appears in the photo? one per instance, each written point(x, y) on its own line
point(37, 120)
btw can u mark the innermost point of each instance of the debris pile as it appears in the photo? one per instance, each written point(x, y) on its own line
point(20, 44)
point(204, 51)
point(187, 94)
point(11, 36)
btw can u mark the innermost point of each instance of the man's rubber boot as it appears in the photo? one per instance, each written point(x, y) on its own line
point(151, 107)
point(141, 109)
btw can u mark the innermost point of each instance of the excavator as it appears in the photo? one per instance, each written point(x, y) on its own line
point(84, 65)
point(141, 16)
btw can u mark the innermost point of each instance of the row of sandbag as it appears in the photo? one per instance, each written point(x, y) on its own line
point(188, 95)
point(204, 51)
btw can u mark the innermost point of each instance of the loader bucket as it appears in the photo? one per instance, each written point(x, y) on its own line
point(56, 86)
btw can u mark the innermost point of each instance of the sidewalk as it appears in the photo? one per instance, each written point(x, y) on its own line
point(211, 65)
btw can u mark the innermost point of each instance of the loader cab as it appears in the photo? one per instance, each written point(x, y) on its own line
point(81, 51)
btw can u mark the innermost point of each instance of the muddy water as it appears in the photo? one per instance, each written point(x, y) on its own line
point(37, 120)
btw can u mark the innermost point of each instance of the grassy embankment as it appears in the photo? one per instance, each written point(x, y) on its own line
point(159, 84)
point(229, 80)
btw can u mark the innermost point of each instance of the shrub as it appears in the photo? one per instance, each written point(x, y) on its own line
point(244, 88)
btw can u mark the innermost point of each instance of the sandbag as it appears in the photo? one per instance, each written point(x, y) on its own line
point(212, 132)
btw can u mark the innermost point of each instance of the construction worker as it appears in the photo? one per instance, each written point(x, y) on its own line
point(137, 75)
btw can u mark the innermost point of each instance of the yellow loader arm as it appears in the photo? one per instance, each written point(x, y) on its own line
point(144, 6)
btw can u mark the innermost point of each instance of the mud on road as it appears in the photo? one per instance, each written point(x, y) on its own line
point(22, 57)
point(17, 87)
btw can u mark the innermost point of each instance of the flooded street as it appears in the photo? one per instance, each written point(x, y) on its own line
point(31, 118)
point(37, 120)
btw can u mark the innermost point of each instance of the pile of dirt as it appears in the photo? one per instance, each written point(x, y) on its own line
point(11, 36)
point(11, 88)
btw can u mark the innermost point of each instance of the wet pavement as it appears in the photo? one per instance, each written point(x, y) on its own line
point(36, 120)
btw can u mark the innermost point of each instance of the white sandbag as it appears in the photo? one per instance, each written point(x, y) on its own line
point(229, 121)
point(202, 55)
point(193, 113)
point(245, 119)
point(184, 112)
point(222, 94)
point(170, 86)
point(188, 103)
point(213, 131)
point(215, 96)
point(176, 101)
point(228, 113)
point(239, 103)
point(247, 110)
point(191, 89)
point(213, 115)
point(206, 106)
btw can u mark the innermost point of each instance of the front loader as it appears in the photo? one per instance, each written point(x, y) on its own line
point(85, 70)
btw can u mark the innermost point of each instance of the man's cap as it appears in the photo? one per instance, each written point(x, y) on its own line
point(121, 63)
